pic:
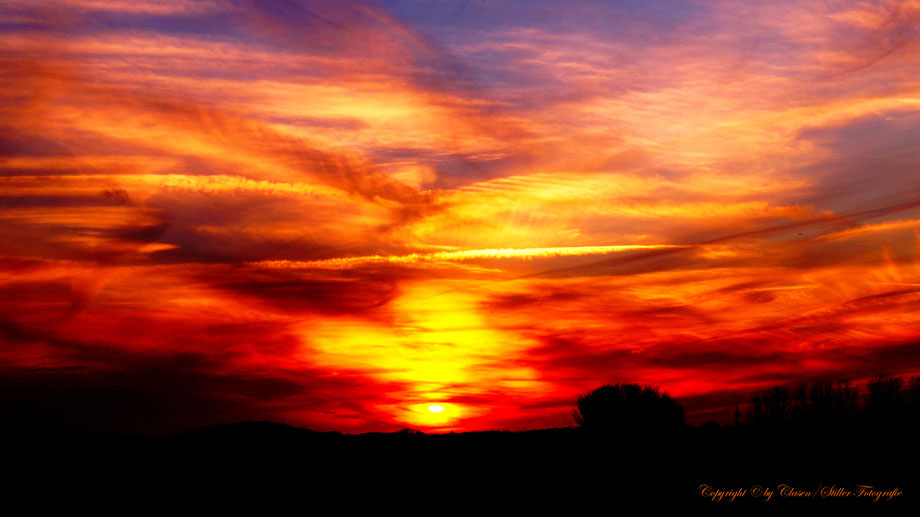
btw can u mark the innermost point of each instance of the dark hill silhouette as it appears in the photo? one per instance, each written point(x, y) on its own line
point(249, 430)
point(513, 471)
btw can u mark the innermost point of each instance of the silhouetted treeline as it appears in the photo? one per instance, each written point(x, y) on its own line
point(885, 401)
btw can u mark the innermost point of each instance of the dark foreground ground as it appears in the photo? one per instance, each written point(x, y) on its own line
point(567, 469)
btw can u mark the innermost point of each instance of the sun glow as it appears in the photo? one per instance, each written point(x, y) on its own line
point(439, 338)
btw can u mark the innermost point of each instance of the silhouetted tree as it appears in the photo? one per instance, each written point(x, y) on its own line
point(913, 393)
point(886, 398)
point(913, 400)
point(773, 406)
point(826, 402)
point(628, 407)
point(885, 401)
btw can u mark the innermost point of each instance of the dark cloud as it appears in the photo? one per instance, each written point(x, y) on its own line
point(518, 300)
point(293, 295)
point(159, 396)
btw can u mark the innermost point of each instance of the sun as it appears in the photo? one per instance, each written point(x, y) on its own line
point(433, 414)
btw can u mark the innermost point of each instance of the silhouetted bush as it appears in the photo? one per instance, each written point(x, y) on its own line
point(628, 407)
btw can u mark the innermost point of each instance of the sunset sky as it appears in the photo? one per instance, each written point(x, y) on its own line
point(338, 214)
